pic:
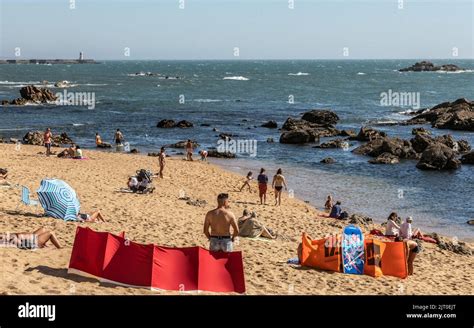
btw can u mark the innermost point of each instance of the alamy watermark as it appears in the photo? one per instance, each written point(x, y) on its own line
point(400, 99)
point(67, 98)
point(238, 146)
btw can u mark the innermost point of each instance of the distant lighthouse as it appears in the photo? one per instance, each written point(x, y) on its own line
point(81, 56)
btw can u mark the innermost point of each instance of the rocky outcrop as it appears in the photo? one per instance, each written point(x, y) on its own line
point(360, 220)
point(385, 158)
point(104, 145)
point(470, 222)
point(336, 143)
point(270, 124)
point(32, 94)
point(421, 141)
point(456, 115)
point(328, 160)
point(168, 124)
point(421, 131)
point(455, 246)
point(394, 146)
point(36, 138)
point(184, 124)
point(226, 136)
point(348, 133)
point(367, 134)
point(182, 144)
point(468, 158)
point(426, 66)
point(313, 125)
point(217, 154)
point(438, 157)
point(321, 117)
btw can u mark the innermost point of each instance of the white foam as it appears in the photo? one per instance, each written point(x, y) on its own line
point(361, 73)
point(236, 78)
point(456, 72)
point(20, 82)
point(298, 74)
point(77, 124)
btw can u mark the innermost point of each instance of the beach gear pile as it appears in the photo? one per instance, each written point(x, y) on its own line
point(381, 257)
point(115, 259)
point(145, 180)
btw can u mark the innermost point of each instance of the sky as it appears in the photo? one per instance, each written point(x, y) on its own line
point(253, 29)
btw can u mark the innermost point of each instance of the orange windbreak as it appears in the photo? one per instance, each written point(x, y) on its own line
point(373, 257)
point(324, 254)
point(394, 259)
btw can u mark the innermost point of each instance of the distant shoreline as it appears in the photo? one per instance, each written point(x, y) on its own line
point(48, 61)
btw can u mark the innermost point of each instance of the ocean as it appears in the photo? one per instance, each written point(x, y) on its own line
point(238, 96)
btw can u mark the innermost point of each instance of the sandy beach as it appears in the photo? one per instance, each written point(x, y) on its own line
point(162, 218)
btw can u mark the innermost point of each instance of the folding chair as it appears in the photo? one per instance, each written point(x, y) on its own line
point(25, 198)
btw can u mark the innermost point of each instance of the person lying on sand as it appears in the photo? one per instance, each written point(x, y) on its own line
point(251, 228)
point(29, 240)
point(69, 152)
point(94, 217)
point(219, 221)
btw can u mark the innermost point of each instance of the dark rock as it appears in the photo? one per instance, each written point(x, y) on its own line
point(37, 95)
point(13, 140)
point(104, 145)
point(398, 147)
point(328, 160)
point(296, 137)
point(215, 130)
point(348, 133)
point(321, 116)
point(471, 222)
point(385, 158)
point(336, 143)
point(458, 115)
point(360, 220)
point(215, 153)
point(154, 154)
point(36, 138)
point(205, 124)
point(421, 141)
point(19, 102)
point(438, 157)
point(134, 151)
point(182, 144)
point(463, 146)
point(454, 246)
point(468, 158)
point(184, 124)
point(270, 124)
point(166, 124)
point(426, 66)
point(5, 102)
point(227, 136)
point(367, 134)
point(270, 140)
point(422, 131)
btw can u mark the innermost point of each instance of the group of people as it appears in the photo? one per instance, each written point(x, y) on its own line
point(278, 183)
point(141, 182)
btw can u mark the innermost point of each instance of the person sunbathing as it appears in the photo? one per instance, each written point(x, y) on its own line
point(3, 174)
point(406, 230)
point(250, 227)
point(94, 217)
point(29, 240)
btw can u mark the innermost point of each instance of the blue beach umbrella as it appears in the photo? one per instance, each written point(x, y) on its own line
point(58, 199)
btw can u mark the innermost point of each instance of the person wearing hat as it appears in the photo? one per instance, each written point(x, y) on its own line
point(406, 230)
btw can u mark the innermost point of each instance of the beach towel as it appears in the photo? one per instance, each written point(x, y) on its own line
point(114, 259)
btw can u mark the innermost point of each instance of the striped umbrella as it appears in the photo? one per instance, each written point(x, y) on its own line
point(58, 199)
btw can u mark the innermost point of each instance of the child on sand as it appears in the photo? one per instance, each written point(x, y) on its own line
point(247, 181)
point(328, 204)
point(48, 137)
point(203, 154)
point(26, 240)
point(189, 150)
point(161, 159)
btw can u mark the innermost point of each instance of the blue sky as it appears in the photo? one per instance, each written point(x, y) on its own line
point(261, 29)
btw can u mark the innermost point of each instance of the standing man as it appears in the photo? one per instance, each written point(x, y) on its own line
point(161, 159)
point(118, 137)
point(189, 150)
point(48, 138)
point(220, 220)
